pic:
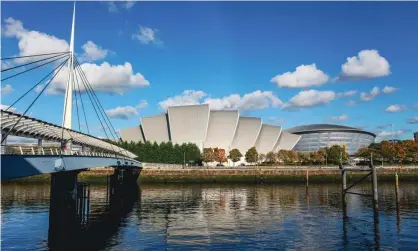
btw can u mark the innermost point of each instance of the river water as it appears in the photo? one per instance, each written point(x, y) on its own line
point(214, 217)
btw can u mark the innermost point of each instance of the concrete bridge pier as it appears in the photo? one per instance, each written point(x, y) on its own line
point(63, 205)
point(122, 180)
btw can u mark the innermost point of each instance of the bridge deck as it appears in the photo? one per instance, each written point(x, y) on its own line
point(16, 166)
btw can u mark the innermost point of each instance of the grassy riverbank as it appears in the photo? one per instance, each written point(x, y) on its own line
point(282, 175)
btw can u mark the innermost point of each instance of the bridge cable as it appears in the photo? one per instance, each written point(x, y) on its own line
point(33, 87)
point(36, 55)
point(81, 99)
point(33, 68)
point(90, 90)
point(76, 105)
point(95, 104)
point(103, 112)
point(33, 102)
point(37, 61)
point(82, 103)
point(98, 104)
point(102, 109)
point(94, 107)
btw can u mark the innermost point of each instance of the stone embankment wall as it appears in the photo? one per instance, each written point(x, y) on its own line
point(270, 175)
point(240, 175)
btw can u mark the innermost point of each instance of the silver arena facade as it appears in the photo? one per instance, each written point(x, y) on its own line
point(206, 128)
point(314, 137)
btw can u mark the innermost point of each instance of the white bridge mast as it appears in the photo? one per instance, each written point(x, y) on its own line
point(68, 99)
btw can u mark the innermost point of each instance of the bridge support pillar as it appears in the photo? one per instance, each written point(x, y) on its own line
point(39, 146)
point(123, 179)
point(63, 205)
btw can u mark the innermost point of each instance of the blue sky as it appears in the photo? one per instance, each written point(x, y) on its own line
point(285, 62)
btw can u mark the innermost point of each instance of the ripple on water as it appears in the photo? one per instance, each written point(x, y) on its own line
point(228, 217)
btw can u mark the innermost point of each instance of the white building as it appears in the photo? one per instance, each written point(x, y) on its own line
point(223, 129)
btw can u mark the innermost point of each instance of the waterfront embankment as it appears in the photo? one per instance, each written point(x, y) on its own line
point(237, 175)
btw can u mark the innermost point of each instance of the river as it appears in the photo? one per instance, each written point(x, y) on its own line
point(214, 217)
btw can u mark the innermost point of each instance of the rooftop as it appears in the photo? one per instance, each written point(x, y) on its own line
point(325, 127)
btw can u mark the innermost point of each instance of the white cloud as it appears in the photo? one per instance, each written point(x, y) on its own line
point(364, 96)
point(142, 104)
point(128, 4)
point(92, 52)
point(147, 35)
point(367, 64)
point(413, 120)
point(103, 78)
point(251, 101)
point(347, 93)
point(32, 42)
point(343, 117)
point(303, 76)
point(388, 89)
point(6, 90)
point(188, 97)
point(4, 107)
point(396, 108)
point(39, 88)
point(124, 112)
point(310, 98)
point(351, 103)
point(111, 6)
point(386, 134)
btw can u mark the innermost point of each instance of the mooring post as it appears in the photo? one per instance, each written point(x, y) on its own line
point(307, 177)
point(374, 181)
point(343, 190)
point(398, 216)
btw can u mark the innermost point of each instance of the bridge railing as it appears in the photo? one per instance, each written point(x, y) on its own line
point(33, 150)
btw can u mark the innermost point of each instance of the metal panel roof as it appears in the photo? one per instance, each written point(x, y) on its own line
point(325, 127)
point(35, 128)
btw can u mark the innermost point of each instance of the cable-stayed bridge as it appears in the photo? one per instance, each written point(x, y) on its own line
point(75, 150)
point(61, 150)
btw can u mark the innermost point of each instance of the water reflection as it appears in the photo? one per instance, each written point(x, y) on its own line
point(217, 217)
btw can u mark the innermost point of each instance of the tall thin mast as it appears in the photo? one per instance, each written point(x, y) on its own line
point(68, 100)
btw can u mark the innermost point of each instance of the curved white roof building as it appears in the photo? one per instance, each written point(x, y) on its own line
point(223, 129)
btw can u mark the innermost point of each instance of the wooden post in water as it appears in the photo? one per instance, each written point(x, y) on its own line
point(397, 189)
point(307, 177)
point(398, 216)
point(343, 187)
point(374, 181)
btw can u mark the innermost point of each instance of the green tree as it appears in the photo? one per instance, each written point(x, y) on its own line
point(303, 158)
point(235, 155)
point(271, 157)
point(261, 157)
point(335, 154)
point(282, 156)
point(251, 156)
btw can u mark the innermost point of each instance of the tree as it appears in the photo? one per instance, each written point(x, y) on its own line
point(411, 150)
point(282, 156)
point(388, 150)
point(235, 155)
point(219, 155)
point(303, 158)
point(208, 155)
point(292, 156)
point(335, 153)
point(251, 156)
point(271, 157)
point(261, 157)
